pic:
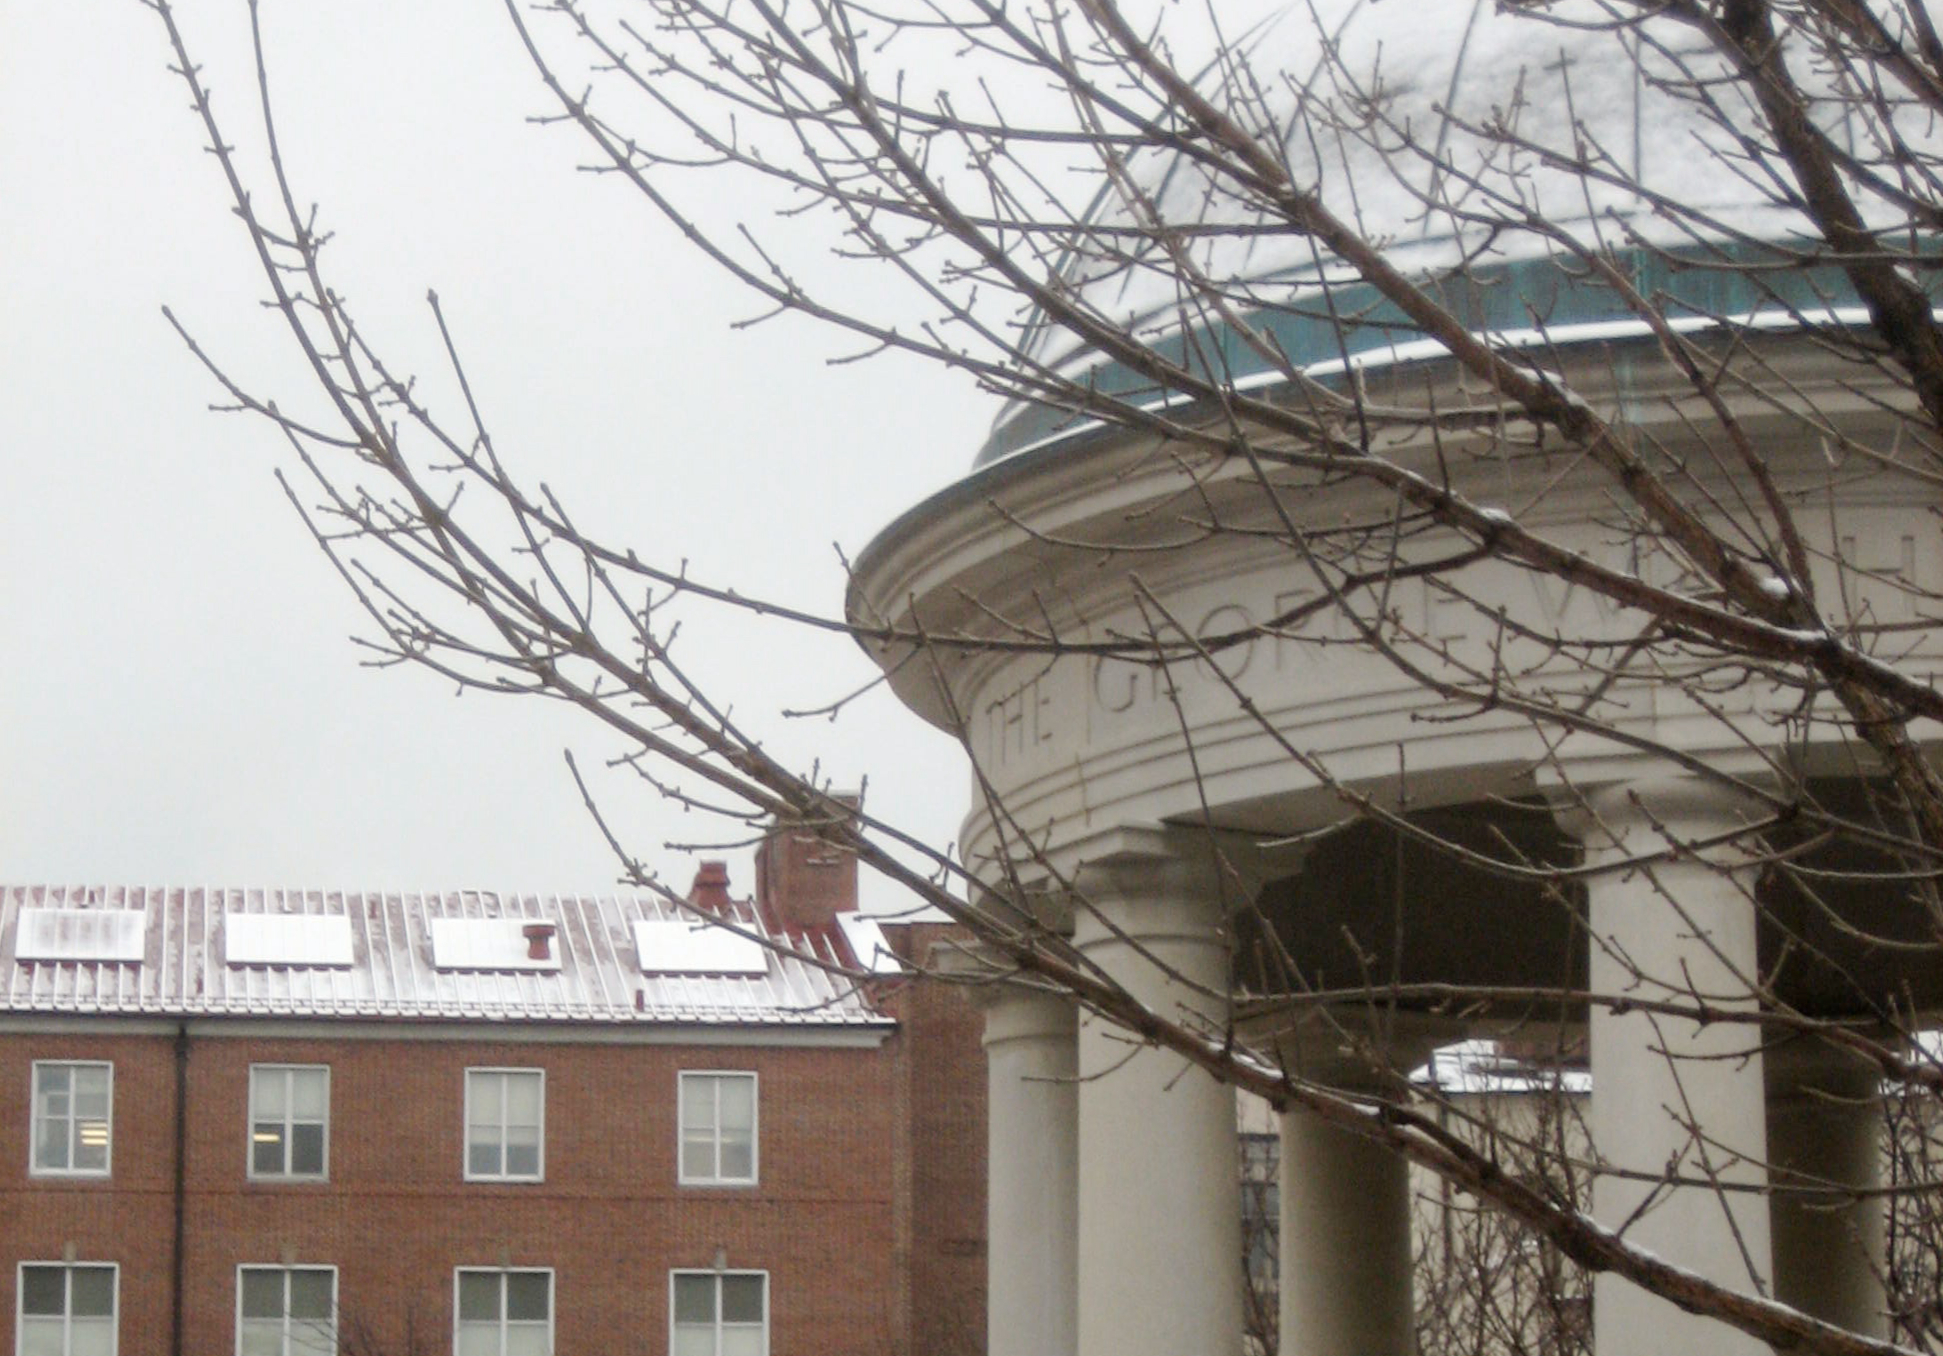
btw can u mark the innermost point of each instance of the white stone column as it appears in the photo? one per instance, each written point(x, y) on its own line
point(1033, 1162)
point(1345, 1243)
point(1825, 1128)
point(1671, 1095)
point(1159, 1180)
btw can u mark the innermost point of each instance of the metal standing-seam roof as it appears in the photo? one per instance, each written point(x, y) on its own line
point(185, 970)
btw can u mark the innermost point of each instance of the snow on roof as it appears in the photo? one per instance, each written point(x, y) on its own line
point(688, 946)
point(269, 953)
point(491, 944)
point(866, 938)
point(1448, 135)
point(301, 939)
point(80, 935)
point(1404, 127)
point(1481, 1066)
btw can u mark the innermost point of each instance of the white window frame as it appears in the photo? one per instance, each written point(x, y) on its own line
point(67, 1270)
point(465, 1161)
point(717, 1277)
point(285, 1271)
point(712, 1078)
point(34, 1169)
point(552, 1300)
point(289, 1121)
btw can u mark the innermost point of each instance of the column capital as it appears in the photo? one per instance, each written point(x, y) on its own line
point(1015, 1005)
point(1698, 816)
point(1042, 904)
point(1247, 859)
point(1019, 1012)
point(1219, 871)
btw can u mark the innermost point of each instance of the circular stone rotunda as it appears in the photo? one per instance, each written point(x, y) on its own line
point(1204, 813)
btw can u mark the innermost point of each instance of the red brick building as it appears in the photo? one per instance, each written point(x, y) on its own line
point(283, 1123)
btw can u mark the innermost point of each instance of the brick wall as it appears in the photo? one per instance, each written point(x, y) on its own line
point(941, 1075)
point(396, 1215)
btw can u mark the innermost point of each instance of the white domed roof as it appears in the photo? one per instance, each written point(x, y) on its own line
point(1459, 136)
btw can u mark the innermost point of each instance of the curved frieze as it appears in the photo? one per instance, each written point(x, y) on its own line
point(1401, 686)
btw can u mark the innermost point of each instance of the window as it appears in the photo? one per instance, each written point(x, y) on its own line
point(290, 1119)
point(1261, 1211)
point(503, 1313)
point(71, 1117)
point(65, 1310)
point(505, 1120)
point(286, 1311)
point(720, 1313)
point(718, 1128)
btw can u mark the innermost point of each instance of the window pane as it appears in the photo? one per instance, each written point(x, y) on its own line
point(482, 1159)
point(43, 1290)
point(262, 1293)
point(92, 1292)
point(522, 1150)
point(50, 1144)
point(91, 1147)
point(738, 1103)
point(479, 1295)
point(694, 1341)
point(91, 1091)
point(695, 1299)
point(260, 1337)
point(266, 1094)
point(697, 1103)
point(742, 1299)
point(698, 1157)
point(40, 1337)
point(483, 1099)
point(91, 1337)
point(478, 1339)
point(527, 1339)
point(307, 1149)
point(310, 1294)
point(266, 1146)
point(53, 1079)
point(310, 1094)
point(526, 1295)
point(313, 1337)
point(744, 1341)
point(523, 1099)
point(522, 1160)
point(738, 1158)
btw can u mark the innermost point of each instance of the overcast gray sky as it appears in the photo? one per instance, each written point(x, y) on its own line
point(181, 702)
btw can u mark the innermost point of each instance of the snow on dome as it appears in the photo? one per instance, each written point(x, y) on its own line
point(1433, 129)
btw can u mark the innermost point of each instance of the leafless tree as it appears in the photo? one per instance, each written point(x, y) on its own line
point(1152, 226)
point(1915, 1253)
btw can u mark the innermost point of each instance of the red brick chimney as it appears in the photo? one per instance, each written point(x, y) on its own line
point(711, 888)
point(801, 882)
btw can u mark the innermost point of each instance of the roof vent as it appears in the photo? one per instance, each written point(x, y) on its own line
point(490, 944)
point(318, 941)
point(538, 936)
point(678, 946)
point(81, 935)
